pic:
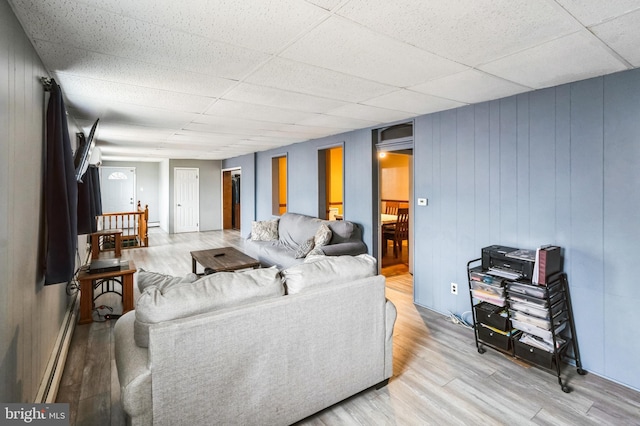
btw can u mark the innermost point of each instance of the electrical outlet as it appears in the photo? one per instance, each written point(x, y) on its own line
point(454, 288)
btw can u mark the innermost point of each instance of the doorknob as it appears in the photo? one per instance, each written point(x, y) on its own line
point(179, 205)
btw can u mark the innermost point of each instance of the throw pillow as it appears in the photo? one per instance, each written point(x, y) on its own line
point(323, 235)
point(210, 293)
point(328, 271)
point(266, 230)
point(315, 253)
point(162, 281)
point(304, 249)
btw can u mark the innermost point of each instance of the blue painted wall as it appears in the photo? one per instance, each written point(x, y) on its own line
point(560, 165)
point(302, 179)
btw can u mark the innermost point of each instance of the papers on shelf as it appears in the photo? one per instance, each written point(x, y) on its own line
point(523, 254)
point(505, 274)
point(541, 343)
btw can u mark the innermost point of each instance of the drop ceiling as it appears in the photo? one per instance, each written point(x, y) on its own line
point(206, 79)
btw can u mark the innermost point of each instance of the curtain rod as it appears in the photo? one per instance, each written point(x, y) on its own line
point(47, 82)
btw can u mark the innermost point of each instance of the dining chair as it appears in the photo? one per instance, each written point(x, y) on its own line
point(397, 234)
point(391, 207)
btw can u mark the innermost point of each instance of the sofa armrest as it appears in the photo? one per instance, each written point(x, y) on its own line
point(352, 248)
point(134, 375)
point(391, 314)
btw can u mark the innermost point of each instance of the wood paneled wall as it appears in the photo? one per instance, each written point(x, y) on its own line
point(559, 165)
point(30, 313)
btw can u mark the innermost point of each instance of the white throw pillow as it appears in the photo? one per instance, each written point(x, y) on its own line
point(265, 230)
point(323, 236)
point(304, 249)
point(210, 293)
point(328, 270)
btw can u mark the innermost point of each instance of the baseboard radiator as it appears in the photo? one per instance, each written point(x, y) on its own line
point(48, 389)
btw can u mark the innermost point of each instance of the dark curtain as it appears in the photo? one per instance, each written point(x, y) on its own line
point(89, 201)
point(61, 195)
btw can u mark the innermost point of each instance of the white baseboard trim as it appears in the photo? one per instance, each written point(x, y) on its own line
point(48, 389)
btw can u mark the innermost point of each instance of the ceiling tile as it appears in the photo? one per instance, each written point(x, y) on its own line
point(270, 96)
point(325, 4)
point(239, 126)
point(131, 134)
point(73, 61)
point(370, 113)
point(571, 58)
point(225, 108)
point(203, 137)
point(346, 123)
point(216, 79)
point(135, 95)
point(303, 78)
point(458, 29)
point(307, 131)
point(470, 86)
point(347, 47)
point(85, 27)
point(261, 25)
point(590, 12)
point(88, 108)
point(413, 102)
point(622, 35)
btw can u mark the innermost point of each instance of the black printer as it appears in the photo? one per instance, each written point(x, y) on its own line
point(494, 258)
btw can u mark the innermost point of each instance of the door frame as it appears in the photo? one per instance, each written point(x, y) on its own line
point(402, 143)
point(175, 199)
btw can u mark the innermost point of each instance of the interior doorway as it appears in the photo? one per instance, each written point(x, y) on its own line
point(331, 183)
point(395, 171)
point(394, 166)
point(231, 199)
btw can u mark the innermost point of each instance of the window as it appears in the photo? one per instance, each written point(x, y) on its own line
point(117, 176)
point(279, 185)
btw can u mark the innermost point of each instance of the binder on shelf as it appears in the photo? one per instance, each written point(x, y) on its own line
point(547, 262)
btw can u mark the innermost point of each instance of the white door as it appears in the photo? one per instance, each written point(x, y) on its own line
point(118, 187)
point(187, 201)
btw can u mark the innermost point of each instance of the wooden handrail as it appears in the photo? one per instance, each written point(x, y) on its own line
point(133, 224)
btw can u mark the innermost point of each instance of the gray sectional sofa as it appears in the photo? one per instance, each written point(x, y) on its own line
point(294, 229)
point(258, 347)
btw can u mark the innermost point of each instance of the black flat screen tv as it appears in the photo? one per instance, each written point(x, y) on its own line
point(82, 156)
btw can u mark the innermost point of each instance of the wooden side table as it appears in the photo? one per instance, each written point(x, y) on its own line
point(87, 283)
point(116, 234)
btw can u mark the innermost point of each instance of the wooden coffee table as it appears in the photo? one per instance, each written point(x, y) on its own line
point(222, 259)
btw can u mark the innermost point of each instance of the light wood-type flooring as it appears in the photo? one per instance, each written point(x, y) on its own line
point(439, 377)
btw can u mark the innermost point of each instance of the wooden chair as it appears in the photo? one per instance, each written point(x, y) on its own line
point(397, 234)
point(391, 207)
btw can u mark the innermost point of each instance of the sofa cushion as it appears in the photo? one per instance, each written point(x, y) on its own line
point(323, 235)
point(162, 281)
point(265, 230)
point(294, 229)
point(212, 292)
point(327, 270)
